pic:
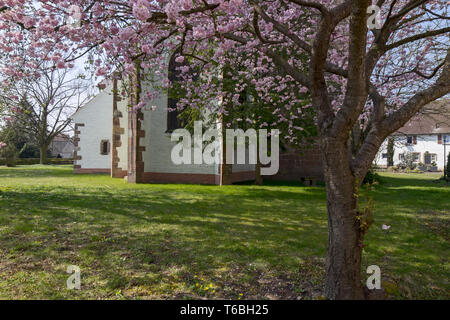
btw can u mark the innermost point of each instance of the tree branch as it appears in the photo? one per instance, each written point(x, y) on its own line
point(416, 37)
point(356, 91)
point(362, 162)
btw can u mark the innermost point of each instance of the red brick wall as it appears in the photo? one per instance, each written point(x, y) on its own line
point(242, 176)
point(192, 178)
point(302, 163)
point(188, 178)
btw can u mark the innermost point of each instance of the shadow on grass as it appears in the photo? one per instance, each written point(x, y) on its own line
point(275, 183)
point(159, 241)
point(231, 237)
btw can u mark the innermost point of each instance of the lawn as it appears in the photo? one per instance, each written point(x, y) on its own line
point(190, 241)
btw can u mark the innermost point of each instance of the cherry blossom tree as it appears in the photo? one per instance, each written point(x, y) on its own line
point(364, 83)
point(243, 108)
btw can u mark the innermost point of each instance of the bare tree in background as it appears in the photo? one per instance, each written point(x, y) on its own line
point(46, 105)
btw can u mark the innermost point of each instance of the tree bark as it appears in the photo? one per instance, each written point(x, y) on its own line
point(343, 265)
point(390, 152)
point(43, 159)
point(258, 177)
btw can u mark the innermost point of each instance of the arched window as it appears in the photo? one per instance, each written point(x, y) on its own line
point(175, 75)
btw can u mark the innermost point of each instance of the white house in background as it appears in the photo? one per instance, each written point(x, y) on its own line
point(111, 138)
point(62, 147)
point(426, 136)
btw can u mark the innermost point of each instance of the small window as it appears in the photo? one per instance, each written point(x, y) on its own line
point(416, 156)
point(384, 155)
point(401, 156)
point(411, 140)
point(429, 158)
point(446, 139)
point(104, 147)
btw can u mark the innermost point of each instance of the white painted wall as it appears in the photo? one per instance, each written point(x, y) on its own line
point(157, 156)
point(96, 116)
point(424, 143)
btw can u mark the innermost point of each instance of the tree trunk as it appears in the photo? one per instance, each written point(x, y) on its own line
point(390, 152)
point(343, 266)
point(258, 177)
point(43, 159)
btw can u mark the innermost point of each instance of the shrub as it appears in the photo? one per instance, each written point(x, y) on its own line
point(448, 166)
point(393, 169)
point(31, 161)
point(10, 153)
point(371, 177)
point(390, 152)
point(408, 161)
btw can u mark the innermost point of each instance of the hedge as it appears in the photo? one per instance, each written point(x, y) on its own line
point(31, 161)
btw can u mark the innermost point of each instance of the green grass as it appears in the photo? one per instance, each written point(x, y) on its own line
point(189, 241)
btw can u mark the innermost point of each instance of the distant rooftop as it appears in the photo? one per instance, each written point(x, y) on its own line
point(61, 137)
point(433, 119)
